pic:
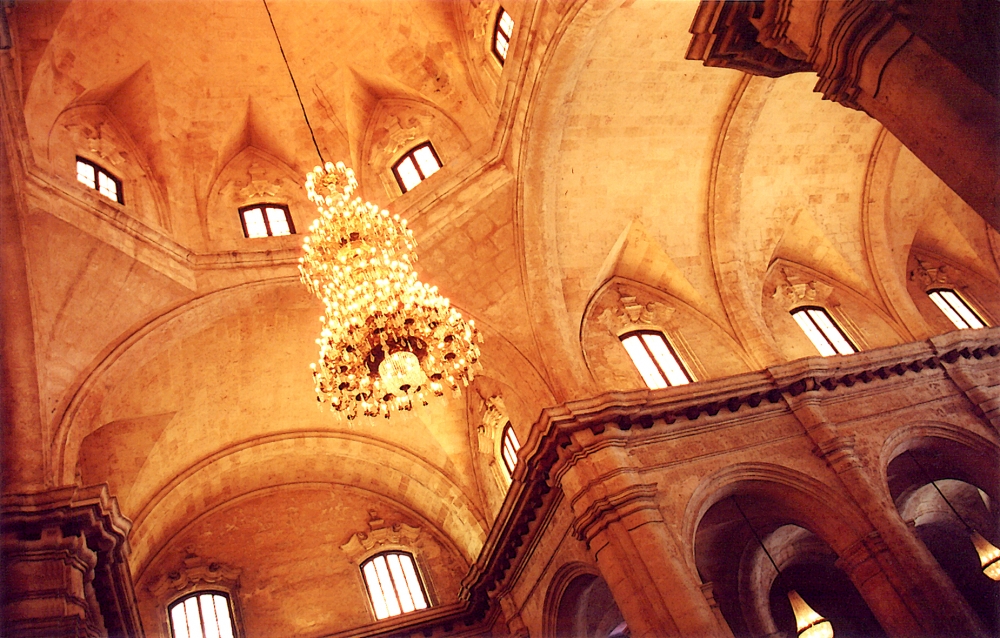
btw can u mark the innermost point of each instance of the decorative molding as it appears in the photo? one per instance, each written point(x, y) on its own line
point(631, 314)
point(726, 34)
point(931, 274)
point(258, 187)
point(378, 535)
point(491, 429)
point(101, 146)
point(195, 574)
point(795, 290)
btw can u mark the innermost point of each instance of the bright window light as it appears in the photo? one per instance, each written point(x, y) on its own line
point(394, 586)
point(86, 174)
point(826, 335)
point(956, 308)
point(502, 31)
point(93, 176)
point(266, 220)
point(202, 615)
point(509, 446)
point(655, 360)
point(416, 165)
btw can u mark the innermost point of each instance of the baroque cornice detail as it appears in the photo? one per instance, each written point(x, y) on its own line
point(795, 290)
point(379, 534)
point(195, 572)
point(631, 314)
point(930, 274)
point(532, 493)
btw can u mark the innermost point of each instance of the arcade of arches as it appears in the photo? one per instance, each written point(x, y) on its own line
point(696, 170)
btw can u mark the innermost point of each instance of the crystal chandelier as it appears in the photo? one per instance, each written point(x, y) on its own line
point(388, 339)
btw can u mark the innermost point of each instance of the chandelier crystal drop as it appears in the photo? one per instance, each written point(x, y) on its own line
point(387, 339)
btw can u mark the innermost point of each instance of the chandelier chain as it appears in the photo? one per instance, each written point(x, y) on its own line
point(294, 85)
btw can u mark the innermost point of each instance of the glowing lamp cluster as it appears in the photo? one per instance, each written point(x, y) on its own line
point(387, 339)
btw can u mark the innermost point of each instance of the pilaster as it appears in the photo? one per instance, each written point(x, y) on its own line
point(617, 516)
point(66, 565)
point(900, 580)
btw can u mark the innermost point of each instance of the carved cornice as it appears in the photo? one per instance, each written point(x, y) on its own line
point(931, 274)
point(531, 495)
point(631, 314)
point(195, 574)
point(725, 35)
point(796, 290)
point(379, 535)
point(614, 507)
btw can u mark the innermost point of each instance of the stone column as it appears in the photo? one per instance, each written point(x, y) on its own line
point(65, 568)
point(868, 57)
point(616, 514)
point(896, 574)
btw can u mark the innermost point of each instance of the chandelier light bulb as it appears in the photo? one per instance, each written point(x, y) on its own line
point(989, 556)
point(808, 623)
point(381, 322)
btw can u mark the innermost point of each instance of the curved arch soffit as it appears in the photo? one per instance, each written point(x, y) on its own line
point(713, 325)
point(978, 450)
point(890, 319)
point(561, 580)
point(112, 365)
point(322, 457)
point(555, 77)
point(805, 501)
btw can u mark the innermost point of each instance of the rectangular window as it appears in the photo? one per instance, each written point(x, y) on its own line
point(826, 335)
point(956, 308)
point(93, 176)
point(394, 586)
point(655, 360)
point(266, 220)
point(502, 32)
point(419, 163)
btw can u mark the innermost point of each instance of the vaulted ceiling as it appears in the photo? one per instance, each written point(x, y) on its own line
point(173, 353)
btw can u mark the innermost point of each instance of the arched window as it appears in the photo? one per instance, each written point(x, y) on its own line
point(655, 359)
point(203, 614)
point(266, 220)
point(394, 585)
point(956, 308)
point(823, 331)
point(502, 30)
point(93, 176)
point(419, 163)
point(508, 449)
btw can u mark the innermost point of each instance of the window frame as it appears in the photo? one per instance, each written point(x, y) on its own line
point(98, 171)
point(652, 357)
point(965, 302)
point(267, 224)
point(411, 155)
point(840, 330)
point(497, 32)
point(508, 429)
point(196, 594)
point(424, 590)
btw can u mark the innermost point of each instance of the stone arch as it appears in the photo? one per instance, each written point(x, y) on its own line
point(800, 519)
point(80, 414)
point(94, 132)
point(378, 467)
point(962, 454)
point(395, 126)
point(944, 482)
point(253, 176)
point(562, 60)
point(579, 603)
point(621, 305)
point(806, 501)
point(788, 285)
